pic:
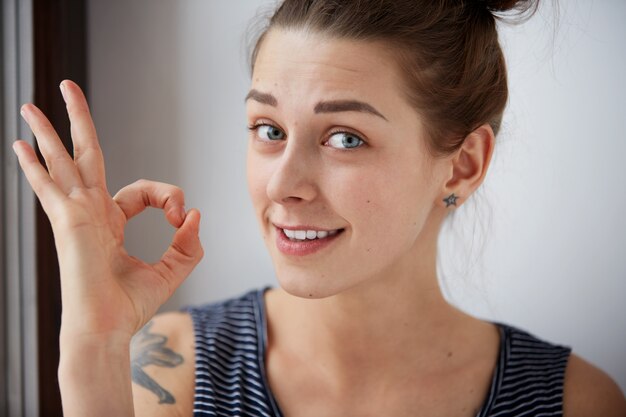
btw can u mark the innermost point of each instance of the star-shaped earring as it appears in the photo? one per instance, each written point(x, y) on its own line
point(450, 200)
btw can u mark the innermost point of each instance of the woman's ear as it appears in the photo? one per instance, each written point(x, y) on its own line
point(468, 166)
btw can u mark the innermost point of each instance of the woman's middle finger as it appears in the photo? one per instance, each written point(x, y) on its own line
point(60, 165)
point(87, 153)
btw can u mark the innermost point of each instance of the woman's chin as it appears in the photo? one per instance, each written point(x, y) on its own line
point(309, 284)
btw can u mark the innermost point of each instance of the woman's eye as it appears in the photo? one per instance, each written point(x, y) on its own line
point(345, 140)
point(269, 132)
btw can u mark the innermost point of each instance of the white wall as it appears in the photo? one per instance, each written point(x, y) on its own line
point(167, 82)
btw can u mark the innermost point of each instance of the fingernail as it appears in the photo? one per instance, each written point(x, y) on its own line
point(62, 87)
point(23, 114)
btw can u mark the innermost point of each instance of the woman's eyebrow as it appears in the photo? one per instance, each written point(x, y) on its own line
point(321, 107)
point(263, 98)
point(346, 105)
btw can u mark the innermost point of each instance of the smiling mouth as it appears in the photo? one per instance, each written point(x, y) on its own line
point(301, 241)
point(306, 235)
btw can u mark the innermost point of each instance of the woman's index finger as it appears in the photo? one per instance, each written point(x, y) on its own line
point(87, 152)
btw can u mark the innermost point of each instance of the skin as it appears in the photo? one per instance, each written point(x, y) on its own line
point(364, 313)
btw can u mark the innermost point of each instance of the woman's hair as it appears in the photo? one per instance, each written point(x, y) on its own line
point(447, 51)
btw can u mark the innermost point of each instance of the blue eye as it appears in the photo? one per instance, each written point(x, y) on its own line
point(345, 140)
point(268, 132)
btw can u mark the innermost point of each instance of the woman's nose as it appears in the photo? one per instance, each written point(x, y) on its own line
point(293, 178)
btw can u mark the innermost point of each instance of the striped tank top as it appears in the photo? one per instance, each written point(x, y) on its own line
point(230, 378)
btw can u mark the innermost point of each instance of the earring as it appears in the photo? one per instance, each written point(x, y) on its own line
point(450, 200)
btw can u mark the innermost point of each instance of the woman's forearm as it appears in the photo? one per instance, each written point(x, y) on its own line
point(94, 377)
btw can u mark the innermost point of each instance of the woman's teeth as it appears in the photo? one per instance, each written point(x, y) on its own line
point(308, 234)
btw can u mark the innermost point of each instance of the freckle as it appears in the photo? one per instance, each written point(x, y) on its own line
point(368, 249)
point(449, 354)
point(310, 295)
point(368, 201)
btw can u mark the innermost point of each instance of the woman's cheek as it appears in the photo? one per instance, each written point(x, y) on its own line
point(257, 178)
point(384, 211)
point(366, 203)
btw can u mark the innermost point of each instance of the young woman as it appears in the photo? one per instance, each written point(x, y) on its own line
point(369, 122)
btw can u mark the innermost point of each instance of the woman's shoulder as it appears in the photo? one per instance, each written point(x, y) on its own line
point(554, 372)
point(523, 351)
point(589, 391)
point(162, 366)
point(529, 375)
point(230, 337)
point(165, 351)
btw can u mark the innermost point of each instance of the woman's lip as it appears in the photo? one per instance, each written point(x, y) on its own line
point(306, 247)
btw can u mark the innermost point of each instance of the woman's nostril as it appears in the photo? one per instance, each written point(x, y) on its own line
point(292, 199)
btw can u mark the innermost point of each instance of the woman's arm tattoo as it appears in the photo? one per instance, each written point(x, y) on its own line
point(149, 349)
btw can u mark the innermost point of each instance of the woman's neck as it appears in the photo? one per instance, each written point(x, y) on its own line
point(378, 326)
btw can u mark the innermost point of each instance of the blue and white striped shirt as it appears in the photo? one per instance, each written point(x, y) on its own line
point(230, 341)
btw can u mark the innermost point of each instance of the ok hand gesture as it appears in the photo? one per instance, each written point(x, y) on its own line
point(105, 292)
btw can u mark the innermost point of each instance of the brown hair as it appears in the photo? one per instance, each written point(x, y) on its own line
point(448, 51)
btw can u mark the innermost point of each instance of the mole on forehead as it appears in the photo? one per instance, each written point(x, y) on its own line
point(331, 106)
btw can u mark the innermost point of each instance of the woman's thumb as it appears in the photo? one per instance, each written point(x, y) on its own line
point(183, 254)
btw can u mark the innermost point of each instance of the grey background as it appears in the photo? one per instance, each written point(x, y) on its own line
point(167, 82)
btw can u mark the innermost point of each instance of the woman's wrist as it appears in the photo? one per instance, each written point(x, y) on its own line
point(75, 340)
point(87, 333)
point(94, 375)
point(83, 356)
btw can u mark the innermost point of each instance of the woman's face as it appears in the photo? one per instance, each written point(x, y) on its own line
point(337, 148)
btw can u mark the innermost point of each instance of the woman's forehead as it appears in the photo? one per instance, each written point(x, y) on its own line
point(306, 65)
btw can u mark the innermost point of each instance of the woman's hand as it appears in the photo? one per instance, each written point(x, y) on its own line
point(106, 293)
